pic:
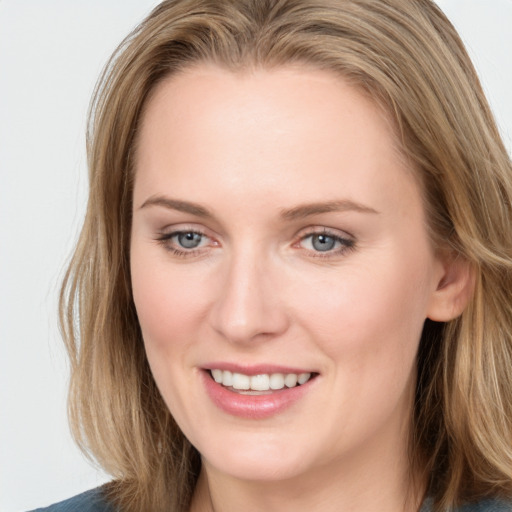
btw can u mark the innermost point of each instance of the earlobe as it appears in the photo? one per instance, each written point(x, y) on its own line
point(454, 289)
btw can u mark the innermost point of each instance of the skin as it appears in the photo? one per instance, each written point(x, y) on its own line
point(246, 147)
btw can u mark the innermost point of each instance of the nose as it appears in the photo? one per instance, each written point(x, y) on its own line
point(249, 306)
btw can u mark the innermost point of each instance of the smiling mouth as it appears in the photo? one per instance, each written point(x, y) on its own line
point(264, 383)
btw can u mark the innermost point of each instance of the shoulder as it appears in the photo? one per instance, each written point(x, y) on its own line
point(488, 506)
point(89, 501)
point(480, 506)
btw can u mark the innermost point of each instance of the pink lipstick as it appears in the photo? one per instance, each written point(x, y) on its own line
point(255, 392)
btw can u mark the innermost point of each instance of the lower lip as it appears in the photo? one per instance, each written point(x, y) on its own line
point(253, 406)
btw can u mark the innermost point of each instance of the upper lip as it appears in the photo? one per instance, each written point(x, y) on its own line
point(255, 369)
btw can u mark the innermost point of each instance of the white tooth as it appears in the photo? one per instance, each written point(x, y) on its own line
point(260, 382)
point(241, 381)
point(217, 375)
point(304, 377)
point(276, 381)
point(227, 378)
point(291, 380)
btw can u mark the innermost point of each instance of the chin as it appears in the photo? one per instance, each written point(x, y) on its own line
point(257, 470)
point(260, 459)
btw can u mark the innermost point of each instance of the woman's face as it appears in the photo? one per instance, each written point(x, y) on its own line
point(279, 234)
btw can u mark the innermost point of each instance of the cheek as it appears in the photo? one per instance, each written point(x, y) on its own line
point(369, 320)
point(369, 325)
point(168, 307)
point(168, 304)
point(362, 305)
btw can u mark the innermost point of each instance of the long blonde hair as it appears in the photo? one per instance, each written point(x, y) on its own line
point(409, 58)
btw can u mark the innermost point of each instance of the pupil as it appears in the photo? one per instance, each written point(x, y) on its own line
point(323, 242)
point(189, 240)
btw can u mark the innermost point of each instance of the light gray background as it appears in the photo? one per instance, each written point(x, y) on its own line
point(51, 52)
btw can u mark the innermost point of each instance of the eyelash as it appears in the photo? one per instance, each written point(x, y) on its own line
point(346, 244)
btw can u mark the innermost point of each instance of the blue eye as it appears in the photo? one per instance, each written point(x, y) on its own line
point(186, 243)
point(323, 242)
point(188, 239)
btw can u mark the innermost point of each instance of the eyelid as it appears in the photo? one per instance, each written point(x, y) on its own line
point(324, 230)
point(185, 227)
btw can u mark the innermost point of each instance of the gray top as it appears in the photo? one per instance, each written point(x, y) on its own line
point(481, 506)
point(89, 501)
point(92, 501)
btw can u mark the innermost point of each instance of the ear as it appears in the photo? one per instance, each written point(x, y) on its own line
point(455, 286)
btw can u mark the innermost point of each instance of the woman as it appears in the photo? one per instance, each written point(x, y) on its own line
point(293, 280)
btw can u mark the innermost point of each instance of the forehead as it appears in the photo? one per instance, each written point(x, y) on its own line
point(282, 132)
point(208, 95)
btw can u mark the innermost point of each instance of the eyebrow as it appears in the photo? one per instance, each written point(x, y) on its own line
point(295, 213)
point(177, 204)
point(306, 210)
